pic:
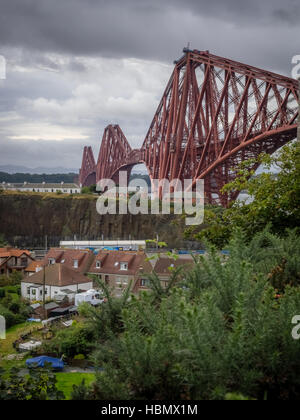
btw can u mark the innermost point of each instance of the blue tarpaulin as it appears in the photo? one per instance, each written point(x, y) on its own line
point(56, 364)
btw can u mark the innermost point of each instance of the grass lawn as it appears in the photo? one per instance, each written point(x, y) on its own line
point(12, 334)
point(65, 381)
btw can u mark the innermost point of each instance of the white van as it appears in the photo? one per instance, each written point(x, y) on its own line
point(91, 296)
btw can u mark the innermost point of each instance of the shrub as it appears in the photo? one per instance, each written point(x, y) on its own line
point(71, 341)
point(223, 334)
point(40, 384)
point(10, 318)
point(79, 357)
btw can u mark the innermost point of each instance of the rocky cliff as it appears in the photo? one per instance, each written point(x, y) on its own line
point(26, 218)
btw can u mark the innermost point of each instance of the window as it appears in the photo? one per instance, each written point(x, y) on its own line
point(122, 281)
point(144, 282)
point(75, 264)
point(33, 292)
point(51, 261)
point(123, 266)
point(98, 264)
point(28, 290)
point(24, 262)
point(41, 292)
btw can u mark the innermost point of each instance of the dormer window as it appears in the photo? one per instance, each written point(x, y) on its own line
point(51, 261)
point(75, 263)
point(98, 264)
point(124, 266)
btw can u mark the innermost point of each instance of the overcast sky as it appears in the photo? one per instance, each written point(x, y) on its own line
point(74, 66)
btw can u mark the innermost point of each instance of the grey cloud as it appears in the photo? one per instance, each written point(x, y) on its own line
point(41, 153)
point(149, 29)
point(50, 81)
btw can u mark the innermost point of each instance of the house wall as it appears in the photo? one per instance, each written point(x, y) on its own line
point(21, 262)
point(53, 190)
point(14, 263)
point(75, 190)
point(50, 291)
point(117, 281)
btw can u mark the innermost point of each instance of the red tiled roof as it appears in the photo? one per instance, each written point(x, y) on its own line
point(33, 266)
point(57, 275)
point(110, 262)
point(101, 257)
point(13, 252)
point(55, 254)
point(164, 263)
point(67, 257)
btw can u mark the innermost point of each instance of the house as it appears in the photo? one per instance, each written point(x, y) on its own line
point(164, 265)
point(32, 268)
point(77, 260)
point(43, 187)
point(57, 278)
point(118, 269)
point(12, 259)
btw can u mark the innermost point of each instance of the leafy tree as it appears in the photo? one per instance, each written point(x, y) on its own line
point(2, 240)
point(275, 200)
point(155, 283)
point(40, 384)
point(71, 341)
point(106, 319)
point(224, 333)
point(80, 392)
point(37, 178)
point(88, 190)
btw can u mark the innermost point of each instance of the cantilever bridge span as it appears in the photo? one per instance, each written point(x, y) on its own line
point(214, 114)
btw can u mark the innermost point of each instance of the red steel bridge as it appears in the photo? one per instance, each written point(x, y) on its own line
point(214, 114)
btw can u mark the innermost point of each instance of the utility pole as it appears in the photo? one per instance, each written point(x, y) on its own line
point(44, 284)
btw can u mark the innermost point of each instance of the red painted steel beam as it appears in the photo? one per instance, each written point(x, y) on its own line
point(214, 114)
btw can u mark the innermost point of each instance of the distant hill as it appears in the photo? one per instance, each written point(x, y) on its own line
point(14, 169)
point(38, 178)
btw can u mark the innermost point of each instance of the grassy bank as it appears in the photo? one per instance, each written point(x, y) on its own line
point(65, 381)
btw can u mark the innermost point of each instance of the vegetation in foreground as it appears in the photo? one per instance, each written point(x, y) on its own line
point(226, 328)
point(223, 330)
point(275, 200)
point(12, 306)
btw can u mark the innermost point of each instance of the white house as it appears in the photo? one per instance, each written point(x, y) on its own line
point(56, 280)
point(43, 187)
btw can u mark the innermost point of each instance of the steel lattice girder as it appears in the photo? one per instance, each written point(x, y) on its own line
point(87, 173)
point(214, 114)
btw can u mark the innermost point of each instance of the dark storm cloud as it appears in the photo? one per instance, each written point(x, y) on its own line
point(41, 153)
point(137, 28)
point(74, 66)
